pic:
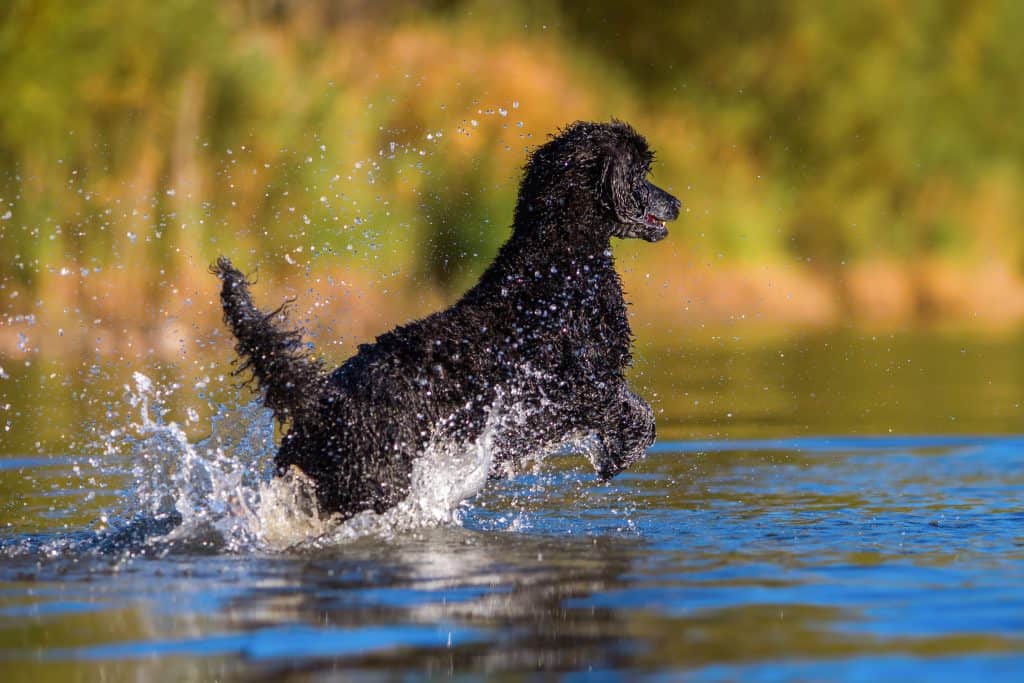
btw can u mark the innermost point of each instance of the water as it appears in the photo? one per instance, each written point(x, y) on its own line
point(840, 506)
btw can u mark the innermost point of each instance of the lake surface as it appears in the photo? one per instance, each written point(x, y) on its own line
point(833, 506)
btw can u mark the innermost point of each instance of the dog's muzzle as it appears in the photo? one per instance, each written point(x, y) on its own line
point(657, 207)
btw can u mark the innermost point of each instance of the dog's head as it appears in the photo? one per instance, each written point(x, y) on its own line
point(594, 176)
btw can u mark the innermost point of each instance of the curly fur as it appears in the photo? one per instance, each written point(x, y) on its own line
point(545, 328)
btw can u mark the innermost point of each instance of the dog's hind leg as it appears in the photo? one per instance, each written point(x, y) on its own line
point(291, 381)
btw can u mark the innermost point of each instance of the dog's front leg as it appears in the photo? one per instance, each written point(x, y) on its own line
point(625, 433)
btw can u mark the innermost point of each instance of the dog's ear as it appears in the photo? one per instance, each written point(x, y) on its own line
point(615, 189)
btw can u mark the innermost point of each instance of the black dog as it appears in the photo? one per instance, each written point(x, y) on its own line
point(543, 336)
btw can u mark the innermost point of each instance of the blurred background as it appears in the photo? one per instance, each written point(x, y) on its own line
point(851, 175)
point(840, 163)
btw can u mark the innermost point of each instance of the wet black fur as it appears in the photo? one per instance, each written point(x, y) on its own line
point(545, 329)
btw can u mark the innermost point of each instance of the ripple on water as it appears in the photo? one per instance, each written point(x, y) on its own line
point(831, 558)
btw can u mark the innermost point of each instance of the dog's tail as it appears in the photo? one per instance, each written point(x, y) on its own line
point(290, 379)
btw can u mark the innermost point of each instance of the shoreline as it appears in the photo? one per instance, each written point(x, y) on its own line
point(97, 315)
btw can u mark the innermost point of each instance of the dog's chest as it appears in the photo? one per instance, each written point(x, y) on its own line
point(590, 320)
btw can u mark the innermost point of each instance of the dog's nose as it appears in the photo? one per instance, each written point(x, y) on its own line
point(672, 206)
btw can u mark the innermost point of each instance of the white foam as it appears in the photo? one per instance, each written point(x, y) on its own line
point(224, 483)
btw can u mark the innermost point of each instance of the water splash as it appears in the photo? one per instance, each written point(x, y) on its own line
point(223, 491)
point(444, 476)
point(220, 493)
point(213, 485)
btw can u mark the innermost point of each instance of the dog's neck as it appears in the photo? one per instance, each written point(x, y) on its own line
point(527, 254)
point(552, 244)
point(562, 279)
point(529, 268)
point(564, 219)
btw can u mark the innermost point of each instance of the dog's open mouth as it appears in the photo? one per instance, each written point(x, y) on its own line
point(653, 221)
point(647, 226)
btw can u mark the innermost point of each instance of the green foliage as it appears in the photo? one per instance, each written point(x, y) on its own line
point(147, 137)
point(856, 107)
